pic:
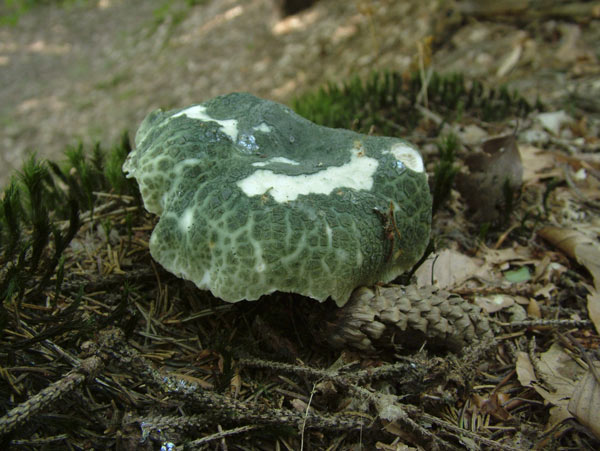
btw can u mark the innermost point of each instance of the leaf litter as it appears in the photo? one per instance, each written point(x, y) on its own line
point(162, 363)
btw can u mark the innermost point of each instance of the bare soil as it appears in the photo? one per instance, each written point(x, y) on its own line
point(92, 70)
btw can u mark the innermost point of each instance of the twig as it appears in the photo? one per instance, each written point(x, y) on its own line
point(221, 434)
point(159, 426)
point(33, 442)
point(547, 323)
point(403, 372)
point(302, 429)
point(491, 444)
point(313, 373)
point(214, 404)
point(34, 405)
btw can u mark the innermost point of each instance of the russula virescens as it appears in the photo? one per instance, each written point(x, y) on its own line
point(253, 199)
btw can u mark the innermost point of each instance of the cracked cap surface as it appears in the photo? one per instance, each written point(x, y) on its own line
point(253, 199)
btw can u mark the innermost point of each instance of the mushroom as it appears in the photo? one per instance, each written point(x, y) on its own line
point(253, 199)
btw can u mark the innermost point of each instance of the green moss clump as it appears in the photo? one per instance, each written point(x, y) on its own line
point(39, 215)
point(389, 102)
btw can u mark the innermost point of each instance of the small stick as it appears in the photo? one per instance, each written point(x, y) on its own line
point(34, 405)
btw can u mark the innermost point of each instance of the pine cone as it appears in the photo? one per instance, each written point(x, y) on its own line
point(406, 317)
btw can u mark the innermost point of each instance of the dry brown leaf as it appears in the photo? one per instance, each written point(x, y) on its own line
point(402, 433)
point(577, 246)
point(515, 254)
point(593, 306)
point(586, 252)
point(585, 403)
point(490, 170)
point(235, 384)
point(538, 164)
point(449, 269)
point(525, 370)
point(494, 302)
point(546, 291)
point(493, 405)
point(556, 380)
point(554, 121)
point(533, 309)
point(299, 405)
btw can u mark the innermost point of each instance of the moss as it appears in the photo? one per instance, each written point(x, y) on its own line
point(12, 10)
point(445, 170)
point(388, 101)
point(39, 214)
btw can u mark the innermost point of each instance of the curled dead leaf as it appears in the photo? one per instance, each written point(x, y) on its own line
point(585, 403)
point(493, 405)
point(584, 251)
point(494, 179)
point(554, 378)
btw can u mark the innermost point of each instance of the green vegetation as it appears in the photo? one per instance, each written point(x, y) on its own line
point(12, 10)
point(445, 170)
point(40, 211)
point(172, 12)
point(390, 102)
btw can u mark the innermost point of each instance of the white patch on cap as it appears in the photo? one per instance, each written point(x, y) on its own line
point(228, 126)
point(262, 127)
point(275, 160)
point(356, 174)
point(204, 282)
point(186, 220)
point(329, 234)
point(408, 156)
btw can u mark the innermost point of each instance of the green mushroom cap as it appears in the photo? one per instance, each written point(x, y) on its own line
point(253, 199)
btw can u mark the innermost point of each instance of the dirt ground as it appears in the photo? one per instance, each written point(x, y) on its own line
point(91, 70)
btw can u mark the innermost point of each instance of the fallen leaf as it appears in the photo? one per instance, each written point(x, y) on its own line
point(585, 403)
point(516, 313)
point(533, 309)
point(449, 269)
point(546, 291)
point(493, 405)
point(538, 164)
point(471, 135)
point(494, 172)
point(494, 303)
point(521, 300)
point(510, 61)
point(593, 306)
point(525, 371)
point(554, 121)
point(299, 405)
point(555, 382)
point(586, 252)
point(577, 246)
point(518, 275)
point(512, 254)
point(235, 384)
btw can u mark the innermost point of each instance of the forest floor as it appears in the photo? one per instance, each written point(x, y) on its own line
point(90, 70)
point(103, 349)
